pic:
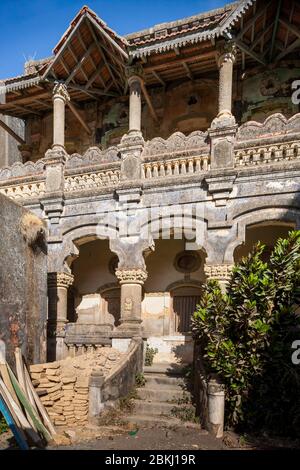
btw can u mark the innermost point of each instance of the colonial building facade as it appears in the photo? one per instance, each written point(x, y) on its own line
point(157, 159)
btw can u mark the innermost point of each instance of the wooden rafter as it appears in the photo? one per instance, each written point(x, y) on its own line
point(275, 29)
point(12, 133)
point(253, 20)
point(79, 118)
point(149, 102)
point(106, 35)
point(158, 77)
point(188, 71)
point(250, 52)
point(289, 49)
point(80, 63)
point(290, 27)
point(103, 57)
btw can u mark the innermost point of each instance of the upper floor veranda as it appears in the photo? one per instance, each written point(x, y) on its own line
point(206, 95)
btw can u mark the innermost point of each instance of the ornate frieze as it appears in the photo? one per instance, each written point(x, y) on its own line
point(88, 181)
point(273, 127)
point(175, 144)
point(24, 191)
point(219, 272)
point(60, 279)
point(135, 276)
point(93, 155)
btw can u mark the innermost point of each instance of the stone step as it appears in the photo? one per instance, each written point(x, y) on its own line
point(155, 408)
point(162, 380)
point(164, 421)
point(165, 368)
point(161, 394)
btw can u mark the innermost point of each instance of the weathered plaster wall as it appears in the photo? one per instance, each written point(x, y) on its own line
point(265, 92)
point(9, 152)
point(23, 288)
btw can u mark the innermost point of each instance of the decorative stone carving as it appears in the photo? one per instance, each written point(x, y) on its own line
point(60, 91)
point(220, 272)
point(18, 170)
point(88, 181)
point(135, 70)
point(135, 276)
point(24, 191)
point(60, 279)
point(274, 125)
point(176, 143)
point(93, 155)
point(227, 53)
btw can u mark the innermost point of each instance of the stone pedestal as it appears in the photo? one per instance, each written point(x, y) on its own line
point(131, 281)
point(58, 284)
point(216, 407)
point(220, 273)
point(223, 128)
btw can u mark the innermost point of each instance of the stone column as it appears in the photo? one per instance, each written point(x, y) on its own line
point(58, 284)
point(223, 128)
point(60, 97)
point(131, 281)
point(220, 273)
point(227, 56)
point(135, 77)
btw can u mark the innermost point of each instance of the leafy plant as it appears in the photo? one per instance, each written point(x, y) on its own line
point(3, 425)
point(246, 336)
point(140, 380)
point(149, 356)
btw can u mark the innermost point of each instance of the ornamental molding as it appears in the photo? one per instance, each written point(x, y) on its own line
point(272, 127)
point(60, 279)
point(177, 142)
point(227, 53)
point(18, 170)
point(135, 276)
point(219, 272)
point(93, 155)
point(60, 91)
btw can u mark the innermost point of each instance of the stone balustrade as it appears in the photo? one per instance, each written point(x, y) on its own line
point(178, 167)
point(24, 191)
point(267, 154)
point(88, 181)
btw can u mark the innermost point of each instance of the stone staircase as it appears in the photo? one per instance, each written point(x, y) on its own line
point(164, 399)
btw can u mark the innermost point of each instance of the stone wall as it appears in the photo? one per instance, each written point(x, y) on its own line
point(9, 152)
point(23, 287)
point(63, 386)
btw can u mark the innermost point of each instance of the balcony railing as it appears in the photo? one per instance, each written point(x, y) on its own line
point(275, 141)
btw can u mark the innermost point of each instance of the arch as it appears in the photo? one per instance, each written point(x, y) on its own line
point(267, 215)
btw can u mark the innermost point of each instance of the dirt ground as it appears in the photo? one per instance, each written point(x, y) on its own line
point(155, 438)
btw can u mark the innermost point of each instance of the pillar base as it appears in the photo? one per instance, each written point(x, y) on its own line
point(132, 327)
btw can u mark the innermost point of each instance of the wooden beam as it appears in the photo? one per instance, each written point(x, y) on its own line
point(149, 102)
point(275, 29)
point(95, 74)
point(290, 27)
point(290, 19)
point(253, 20)
point(12, 133)
point(103, 56)
point(188, 72)
point(79, 118)
point(158, 77)
point(288, 50)
point(93, 90)
point(261, 36)
point(80, 64)
point(248, 51)
point(179, 62)
point(105, 34)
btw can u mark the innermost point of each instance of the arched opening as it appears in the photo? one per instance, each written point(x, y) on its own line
point(95, 292)
point(265, 232)
point(171, 293)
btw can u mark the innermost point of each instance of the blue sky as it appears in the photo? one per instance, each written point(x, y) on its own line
point(31, 28)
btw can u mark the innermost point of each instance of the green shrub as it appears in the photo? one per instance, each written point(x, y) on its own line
point(246, 337)
point(149, 356)
point(140, 380)
point(3, 425)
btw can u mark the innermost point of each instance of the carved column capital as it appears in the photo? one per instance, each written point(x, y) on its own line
point(60, 279)
point(227, 53)
point(134, 73)
point(219, 272)
point(60, 91)
point(131, 276)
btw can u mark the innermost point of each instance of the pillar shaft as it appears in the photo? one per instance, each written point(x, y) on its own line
point(225, 62)
point(58, 284)
point(131, 281)
point(60, 97)
point(135, 104)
